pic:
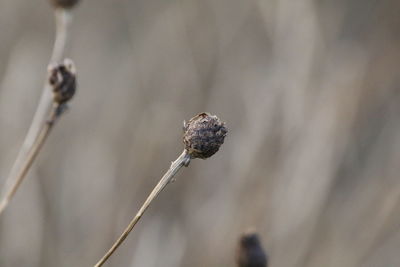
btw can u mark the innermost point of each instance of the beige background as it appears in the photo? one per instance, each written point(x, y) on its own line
point(310, 93)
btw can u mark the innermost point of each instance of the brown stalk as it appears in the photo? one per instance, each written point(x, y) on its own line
point(182, 160)
point(31, 155)
point(203, 135)
point(39, 128)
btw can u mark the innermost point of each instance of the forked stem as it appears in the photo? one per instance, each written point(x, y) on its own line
point(182, 160)
point(38, 125)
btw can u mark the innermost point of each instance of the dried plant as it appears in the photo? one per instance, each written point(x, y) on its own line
point(202, 138)
point(48, 109)
point(62, 78)
point(250, 252)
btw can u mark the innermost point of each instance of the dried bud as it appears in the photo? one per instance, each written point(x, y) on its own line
point(62, 78)
point(250, 252)
point(64, 3)
point(203, 135)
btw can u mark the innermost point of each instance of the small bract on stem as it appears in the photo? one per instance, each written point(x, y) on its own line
point(41, 119)
point(62, 79)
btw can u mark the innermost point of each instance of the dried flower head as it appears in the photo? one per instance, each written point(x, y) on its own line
point(64, 3)
point(250, 252)
point(62, 78)
point(203, 135)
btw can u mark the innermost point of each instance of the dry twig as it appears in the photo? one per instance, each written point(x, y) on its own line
point(62, 79)
point(40, 128)
point(203, 135)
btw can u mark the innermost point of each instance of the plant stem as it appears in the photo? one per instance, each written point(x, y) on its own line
point(62, 22)
point(32, 153)
point(43, 109)
point(182, 160)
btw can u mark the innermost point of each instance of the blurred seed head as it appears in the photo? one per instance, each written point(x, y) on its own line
point(64, 3)
point(62, 78)
point(203, 135)
point(250, 252)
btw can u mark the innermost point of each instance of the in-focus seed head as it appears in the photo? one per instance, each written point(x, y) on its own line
point(64, 3)
point(203, 135)
point(250, 252)
point(62, 78)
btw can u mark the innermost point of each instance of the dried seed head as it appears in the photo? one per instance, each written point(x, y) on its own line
point(203, 135)
point(62, 78)
point(64, 3)
point(250, 252)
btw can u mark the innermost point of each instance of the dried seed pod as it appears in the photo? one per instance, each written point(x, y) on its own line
point(64, 3)
point(62, 78)
point(250, 252)
point(203, 135)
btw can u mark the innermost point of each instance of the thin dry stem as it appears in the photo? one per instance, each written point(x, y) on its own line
point(33, 152)
point(39, 119)
point(182, 160)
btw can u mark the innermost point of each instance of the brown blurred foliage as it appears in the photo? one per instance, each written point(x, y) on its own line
point(309, 91)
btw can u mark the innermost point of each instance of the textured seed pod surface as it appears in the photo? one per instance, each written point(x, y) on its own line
point(64, 3)
point(250, 252)
point(203, 135)
point(62, 78)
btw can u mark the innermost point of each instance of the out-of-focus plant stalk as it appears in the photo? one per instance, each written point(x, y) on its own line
point(41, 123)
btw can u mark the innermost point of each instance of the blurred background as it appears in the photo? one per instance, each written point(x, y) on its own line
point(308, 89)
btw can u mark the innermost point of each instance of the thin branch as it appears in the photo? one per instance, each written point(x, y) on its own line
point(39, 119)
point(182, 160)
point(33, 152)
point(202, 137)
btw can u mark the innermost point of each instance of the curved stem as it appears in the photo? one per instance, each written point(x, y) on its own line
point(44, 107)
point(182, 160)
